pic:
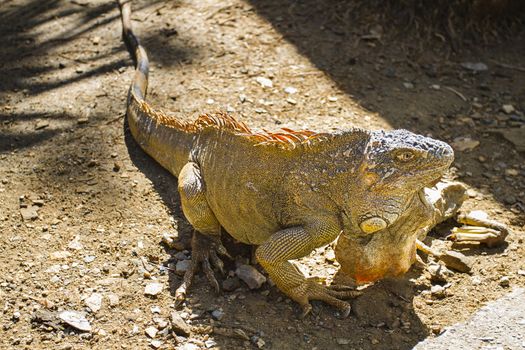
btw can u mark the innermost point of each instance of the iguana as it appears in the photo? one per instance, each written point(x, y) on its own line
point(285, 192)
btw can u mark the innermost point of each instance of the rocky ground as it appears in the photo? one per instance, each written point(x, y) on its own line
point(92, 238)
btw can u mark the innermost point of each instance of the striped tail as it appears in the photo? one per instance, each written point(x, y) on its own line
point(163, 137)
point(139, 86)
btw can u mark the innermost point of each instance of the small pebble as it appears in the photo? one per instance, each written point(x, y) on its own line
point(264, 82)
point(464, 144)
point(155, 343)
point(113, 299)
point(504, 282)
point(508, 108)
point(290, 90)
point(342, 341)
point(182, 266)
point(476, 280)
point(210, 343)
point(475, 66)
point(94, 302)
point(217, 314)
point(438, 291)
point(231, 284)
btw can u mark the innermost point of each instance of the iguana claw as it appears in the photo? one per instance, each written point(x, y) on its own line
point(479, 229)
point(204, 249)
point(312, 290)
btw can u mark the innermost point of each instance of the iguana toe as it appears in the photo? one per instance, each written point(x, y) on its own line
point(204, 249)
point(312, 290)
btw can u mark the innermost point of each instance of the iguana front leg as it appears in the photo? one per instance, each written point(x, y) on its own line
point(206, 241)
point(294, 243)
point(479, 229)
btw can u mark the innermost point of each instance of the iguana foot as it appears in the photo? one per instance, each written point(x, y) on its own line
point(479, 229)
point(204, 248)
point(310, 289)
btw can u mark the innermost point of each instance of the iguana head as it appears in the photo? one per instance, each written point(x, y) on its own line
point(400, 161)
point(396, 165)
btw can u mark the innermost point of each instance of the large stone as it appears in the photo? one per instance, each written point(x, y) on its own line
point(29, 213)
point(178, 325)
point(76, 320)
point(249, 274)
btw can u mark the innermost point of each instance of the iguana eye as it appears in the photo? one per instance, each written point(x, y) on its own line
point(404, 156)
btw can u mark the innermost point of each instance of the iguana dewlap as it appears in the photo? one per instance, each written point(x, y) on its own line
point(391, 251)
point(286, 192)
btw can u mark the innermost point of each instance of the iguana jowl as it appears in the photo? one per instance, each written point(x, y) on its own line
point(286, 192)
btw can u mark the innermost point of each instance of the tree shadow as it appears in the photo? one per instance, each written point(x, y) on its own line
point(35, 42)
point(406, 70)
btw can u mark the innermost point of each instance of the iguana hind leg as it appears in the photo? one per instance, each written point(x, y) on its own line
point(206, 242)
point(294, 243)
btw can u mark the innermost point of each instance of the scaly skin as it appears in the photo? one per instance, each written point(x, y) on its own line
point(287, 192)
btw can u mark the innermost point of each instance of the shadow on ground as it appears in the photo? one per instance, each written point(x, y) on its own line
point(367, 51)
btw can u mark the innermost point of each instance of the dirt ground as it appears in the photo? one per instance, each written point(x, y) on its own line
point(83, 210)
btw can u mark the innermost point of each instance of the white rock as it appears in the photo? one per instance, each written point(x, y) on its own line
point(89, 258)
point(210, 343)
point(512, 172)
point(53, 269)
point(60, 255)
point(508, 108)
point(479, 215)
point(156, 343)
point(475, 66)
point(75, 319)
point(151, 331)
point(504, 281)
point(217, 314)
point(189, 346)
point(75, 244)
point(476, 280)
point(94, 302)
point(113, 299)
point(265, 82)
point(290, 90)
point(438, 291)
point(464, 144)
point(153, 288)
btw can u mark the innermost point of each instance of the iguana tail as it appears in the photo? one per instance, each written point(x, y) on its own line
point(139, 86)
point(165, 138)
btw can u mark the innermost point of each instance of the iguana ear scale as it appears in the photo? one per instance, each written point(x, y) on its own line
point(372, 225)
